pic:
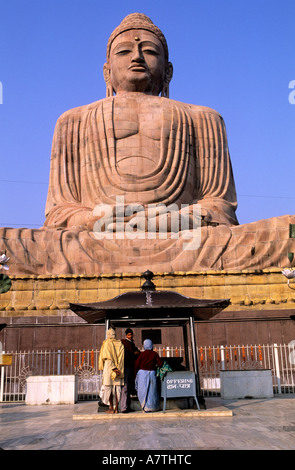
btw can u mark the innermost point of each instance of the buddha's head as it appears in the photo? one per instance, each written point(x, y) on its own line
point(137, 58)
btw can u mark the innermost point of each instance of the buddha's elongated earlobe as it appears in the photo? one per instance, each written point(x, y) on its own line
point(107, 78)
point(109, 90)
point(165, 90)
point(168, 77)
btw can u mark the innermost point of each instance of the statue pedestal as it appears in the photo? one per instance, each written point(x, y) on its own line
point(254, 383)
point(52, 390)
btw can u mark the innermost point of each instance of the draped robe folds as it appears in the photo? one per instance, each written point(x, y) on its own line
point(111, 356)
point(112, 350)
point(193, 167)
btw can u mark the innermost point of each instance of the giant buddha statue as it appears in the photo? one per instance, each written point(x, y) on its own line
point(132, 157)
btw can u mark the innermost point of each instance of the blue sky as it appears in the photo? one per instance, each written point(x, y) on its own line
point(234, 56)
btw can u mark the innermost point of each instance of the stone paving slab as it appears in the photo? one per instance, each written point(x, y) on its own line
point(257, 424)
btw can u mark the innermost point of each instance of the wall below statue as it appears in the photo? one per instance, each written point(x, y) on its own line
point(33, 333)
point(37, 313)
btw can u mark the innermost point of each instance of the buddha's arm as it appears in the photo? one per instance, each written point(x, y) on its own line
point(215, 186)
point(64, 208)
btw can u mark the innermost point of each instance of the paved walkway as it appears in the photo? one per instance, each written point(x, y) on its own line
point(257, 424)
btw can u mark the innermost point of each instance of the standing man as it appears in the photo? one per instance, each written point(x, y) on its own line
point(131, 354)
point(111, 362)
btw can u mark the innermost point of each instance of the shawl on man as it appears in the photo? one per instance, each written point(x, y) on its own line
point(113, 350)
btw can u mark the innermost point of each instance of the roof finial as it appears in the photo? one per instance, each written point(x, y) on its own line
point(148, 284)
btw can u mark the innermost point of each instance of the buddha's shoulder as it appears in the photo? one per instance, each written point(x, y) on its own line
point(79, 112)
point(198, 110)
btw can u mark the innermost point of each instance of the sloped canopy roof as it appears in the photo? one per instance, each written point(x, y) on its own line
point(149, 305)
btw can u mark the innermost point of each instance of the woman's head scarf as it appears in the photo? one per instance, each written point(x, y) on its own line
point(148, 344)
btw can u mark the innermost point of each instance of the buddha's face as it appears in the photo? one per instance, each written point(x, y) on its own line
point(137, 63)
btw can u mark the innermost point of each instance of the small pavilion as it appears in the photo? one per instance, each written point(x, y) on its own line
point(149, 307)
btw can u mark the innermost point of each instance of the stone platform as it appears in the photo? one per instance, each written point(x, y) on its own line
point(175, 408)
point(218, 413)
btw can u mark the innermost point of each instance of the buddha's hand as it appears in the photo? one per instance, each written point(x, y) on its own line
point(205, 217)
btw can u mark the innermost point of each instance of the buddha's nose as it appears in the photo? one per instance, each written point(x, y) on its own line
point(137, 55)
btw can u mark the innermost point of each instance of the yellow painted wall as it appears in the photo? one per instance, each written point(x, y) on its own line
point(50, 295)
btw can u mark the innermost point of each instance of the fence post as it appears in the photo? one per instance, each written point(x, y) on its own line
point(221, 357)
point(1, 379)
point(277, 367)
point(58, 361)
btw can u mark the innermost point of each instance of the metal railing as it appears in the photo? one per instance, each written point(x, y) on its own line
point(84, 363)
point(278, 358)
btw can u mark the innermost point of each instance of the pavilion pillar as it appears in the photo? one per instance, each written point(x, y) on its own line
point(194, 355)
point(185, 342)
point(107, 326)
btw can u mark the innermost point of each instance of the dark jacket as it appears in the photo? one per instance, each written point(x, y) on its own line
point(148, 360)
point(130, 353)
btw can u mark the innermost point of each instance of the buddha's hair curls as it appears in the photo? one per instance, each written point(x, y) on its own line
point(137, 21)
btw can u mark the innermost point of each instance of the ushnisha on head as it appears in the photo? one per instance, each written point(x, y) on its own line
point(137, 58)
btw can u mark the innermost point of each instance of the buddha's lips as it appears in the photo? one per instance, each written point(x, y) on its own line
point(137, 68)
